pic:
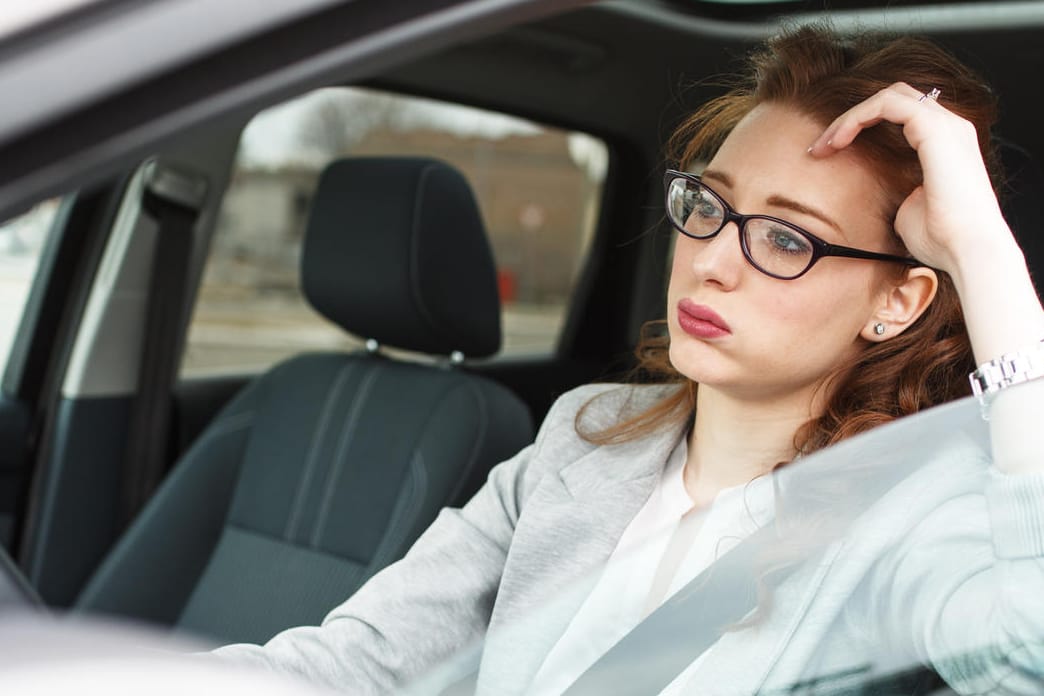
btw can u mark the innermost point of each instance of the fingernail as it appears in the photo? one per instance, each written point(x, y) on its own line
point(830, 142)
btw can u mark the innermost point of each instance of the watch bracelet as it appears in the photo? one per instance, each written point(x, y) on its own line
point(1009, 369)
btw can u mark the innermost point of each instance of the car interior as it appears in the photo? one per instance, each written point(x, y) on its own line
point(235, 502)
point(326, 467)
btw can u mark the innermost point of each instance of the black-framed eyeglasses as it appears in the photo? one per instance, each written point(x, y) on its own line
point(775, 247)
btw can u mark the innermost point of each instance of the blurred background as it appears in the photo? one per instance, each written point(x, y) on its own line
point(538, 188)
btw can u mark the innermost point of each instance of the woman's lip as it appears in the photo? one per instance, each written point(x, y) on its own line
point(701, 321)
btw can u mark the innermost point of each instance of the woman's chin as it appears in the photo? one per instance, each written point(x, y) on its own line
point(712, 371)
point(700, 363)
point(703, 373)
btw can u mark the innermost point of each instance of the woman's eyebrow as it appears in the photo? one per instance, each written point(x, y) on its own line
point(776, 200)
point(715, 174)
point(783, 202)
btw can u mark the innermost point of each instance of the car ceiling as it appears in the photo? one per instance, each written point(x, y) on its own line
point(626, 70)
point(88, 124)
point(629, 70)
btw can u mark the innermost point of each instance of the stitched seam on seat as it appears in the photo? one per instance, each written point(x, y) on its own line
point(480, 437)
point(230, 425)
point(414, 269)
point(100, 577)
point(317, 440)
point(226, 425)
point(413, 491)
point(408, 500)
point(334, 474)
point(280, 540)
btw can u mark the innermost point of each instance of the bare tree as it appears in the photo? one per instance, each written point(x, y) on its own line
point(341, 119)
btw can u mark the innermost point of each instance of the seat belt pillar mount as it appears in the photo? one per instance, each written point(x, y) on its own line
point(174, 199)
point(174, 186)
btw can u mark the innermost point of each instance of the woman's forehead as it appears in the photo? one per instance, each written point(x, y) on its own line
point(766, 157)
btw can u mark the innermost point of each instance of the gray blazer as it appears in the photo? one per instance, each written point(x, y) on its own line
point(937, 568)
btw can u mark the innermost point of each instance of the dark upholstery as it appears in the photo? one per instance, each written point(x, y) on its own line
point(319, 473)
point(1022, 199)
point(395, 251)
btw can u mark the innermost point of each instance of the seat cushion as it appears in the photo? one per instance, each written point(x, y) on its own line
point(338, 463)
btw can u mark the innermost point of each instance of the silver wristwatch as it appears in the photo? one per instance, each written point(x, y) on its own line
point(1011, 368)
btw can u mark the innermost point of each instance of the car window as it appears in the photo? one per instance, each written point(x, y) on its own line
point(22, 241)
point(896, 516)
point(538, 189)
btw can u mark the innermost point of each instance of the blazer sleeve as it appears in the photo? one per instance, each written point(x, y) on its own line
point(966, 587)
point(434, 602)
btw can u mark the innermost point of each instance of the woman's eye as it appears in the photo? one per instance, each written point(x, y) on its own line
point(787, 241)
point(705, 207)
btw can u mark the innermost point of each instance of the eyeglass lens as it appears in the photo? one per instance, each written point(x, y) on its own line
point(774, 247)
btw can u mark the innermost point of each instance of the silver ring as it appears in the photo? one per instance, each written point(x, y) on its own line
point(931, 96)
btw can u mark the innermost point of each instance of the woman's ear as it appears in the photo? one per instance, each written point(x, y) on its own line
point(901, 304)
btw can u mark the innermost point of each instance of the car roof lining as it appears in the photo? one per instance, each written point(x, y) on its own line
point(350, 40)
point(567, 70)
point(611, 98)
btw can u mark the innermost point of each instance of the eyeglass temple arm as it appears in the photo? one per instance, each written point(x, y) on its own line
point(849, 252)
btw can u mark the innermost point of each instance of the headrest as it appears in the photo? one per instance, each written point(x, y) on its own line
point(395, 250)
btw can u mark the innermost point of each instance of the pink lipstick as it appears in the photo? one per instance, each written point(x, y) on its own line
point(701, 321)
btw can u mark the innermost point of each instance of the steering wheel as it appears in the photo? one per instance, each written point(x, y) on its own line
point(15, 590)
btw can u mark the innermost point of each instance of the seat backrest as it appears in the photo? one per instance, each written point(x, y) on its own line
point(326, 468)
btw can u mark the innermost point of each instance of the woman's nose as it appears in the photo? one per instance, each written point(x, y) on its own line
point(719, 259)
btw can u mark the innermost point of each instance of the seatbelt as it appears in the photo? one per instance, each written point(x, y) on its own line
point(16, 592)
point(173, 199)
point(657, 650)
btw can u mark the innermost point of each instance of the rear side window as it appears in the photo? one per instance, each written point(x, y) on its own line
point(22, 241)
point(538, 188)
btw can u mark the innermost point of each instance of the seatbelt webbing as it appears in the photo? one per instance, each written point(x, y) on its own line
point(657, 650)
point(685, 533)
point(173, 199)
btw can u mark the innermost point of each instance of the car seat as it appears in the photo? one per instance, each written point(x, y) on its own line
point(327, 467)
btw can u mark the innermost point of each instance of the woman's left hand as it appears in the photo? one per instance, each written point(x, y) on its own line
point(953, 216)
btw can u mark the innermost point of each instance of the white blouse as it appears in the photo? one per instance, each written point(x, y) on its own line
point(666, 545)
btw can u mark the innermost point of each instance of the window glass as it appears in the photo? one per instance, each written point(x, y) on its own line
point(21, 243)
point(538, 188)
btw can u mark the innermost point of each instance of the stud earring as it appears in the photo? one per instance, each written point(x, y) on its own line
point(879, 328)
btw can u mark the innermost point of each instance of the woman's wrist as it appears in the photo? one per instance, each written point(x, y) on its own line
point(979, 264)
point(1003, 315)
point(1001, 308)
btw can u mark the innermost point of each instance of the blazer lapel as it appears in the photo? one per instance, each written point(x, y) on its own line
point(570, 526)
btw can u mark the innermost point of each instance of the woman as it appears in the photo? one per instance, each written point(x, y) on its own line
point(869, 149)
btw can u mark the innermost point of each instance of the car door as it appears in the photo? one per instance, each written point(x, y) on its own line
point(92, 120)
point(47, 257)
point(23, 241)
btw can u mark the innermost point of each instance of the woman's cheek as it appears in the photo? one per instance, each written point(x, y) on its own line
point(787, 308)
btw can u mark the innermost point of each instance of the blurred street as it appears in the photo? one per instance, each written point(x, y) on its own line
point(228, 337)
